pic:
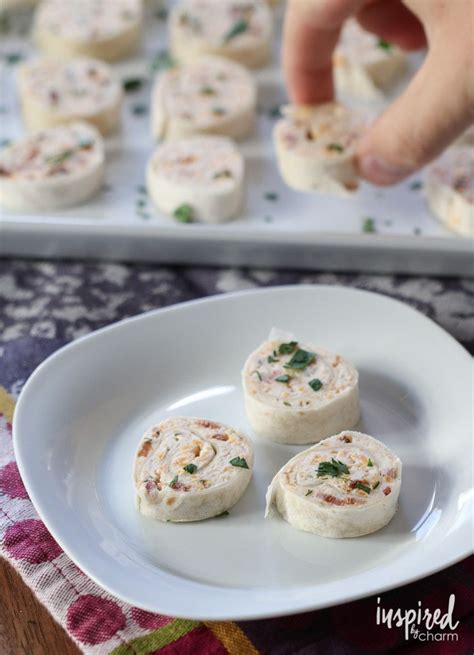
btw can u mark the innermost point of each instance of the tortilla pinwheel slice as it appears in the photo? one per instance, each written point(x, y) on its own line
point(55, 92)
point(88, 28)
point(190, 469)
point(449, 187)
point(197, 179)
point(235, 29)
point(298, 393)
point(58, 167)
point(209, 96)
point(345, 486)
point(316, 146)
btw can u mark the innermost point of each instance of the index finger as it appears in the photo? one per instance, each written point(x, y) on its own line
point(310, 35)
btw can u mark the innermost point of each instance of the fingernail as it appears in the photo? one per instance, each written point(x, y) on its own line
point(376, 169)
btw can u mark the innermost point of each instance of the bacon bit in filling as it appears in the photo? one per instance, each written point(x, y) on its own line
point(220, 437)
point(150, 486)
point(338, 501)
point(145, 449)
point(337, 361)
point(391, 474)
point(208, 424)
point(387, 491)
point(346, 438)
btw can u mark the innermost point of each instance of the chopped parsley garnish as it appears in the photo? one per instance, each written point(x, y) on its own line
point(368, 226)
point(259, 375)
point(271, 195)
point(416, 185)
point(287, 404)
point(223, 174)
point(239, 27)
point(309, 492)
point(161, 61)
point(271, 359)
point(60, 157)
point(385, 45)
point(240, 462)
point(174, 482)
point(370, 463)
point(301, 359)
point(362, 487)
point(315, 384)
point(283, 378)
point(207, 91)
point(190, 468)
point(287, 348)
point(334, 469)
point(376, 484)
point(132, 84)
point(184, 213)
point(336, 147)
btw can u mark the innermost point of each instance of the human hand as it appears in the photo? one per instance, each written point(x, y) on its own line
point(438, 104)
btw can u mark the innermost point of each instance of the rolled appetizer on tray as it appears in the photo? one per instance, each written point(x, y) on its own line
point(235, 29)
point(54, 168)
point(449, 188)
point(209, 96)
point(89, 28)
point(366, 66)
point(316, 147)
point(344, 486)
point(197, 179)
point(297, 393)
point(189, 469)
point(54, 92)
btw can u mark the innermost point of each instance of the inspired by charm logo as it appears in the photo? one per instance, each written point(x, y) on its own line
point(422, 623)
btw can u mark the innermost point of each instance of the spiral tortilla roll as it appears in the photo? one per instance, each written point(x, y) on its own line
point(88, 28)
point(235, 29)
point(297, 393)
point(316, 147)
point(209, 96)
point(189, 469)
point(345, 486)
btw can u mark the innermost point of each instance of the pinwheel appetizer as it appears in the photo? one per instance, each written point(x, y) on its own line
point(345, 486)
point(315, 148)
point(210, 96)
point(366, 66)
point(89, 28)
point(235, 29)
point(449, 188)
point(189, 469)
point(297, 393)
point(54, 168)
point(54, 92)
point(197, 179)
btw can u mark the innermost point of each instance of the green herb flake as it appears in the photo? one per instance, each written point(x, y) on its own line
point(272, 196)
point(174, 482)
point(315, 384)
point(272, 360)
point(362, 487)
point(184, 213)
point(239, 27)
point(309, 492)
point(12, 58)
point(258, 374)
point(225, 173)
point(132, 84)
point(368, 226)
point(376, 484)
point(370, 462)
point(335, 147)
point(60, 157)
point(287, 348)
point(416, 185)
point(207, 91)
point(301, 359)
point(239, 462)
point(287, 404)
point(190, 468)
point(334, 469)
point(222, 514)
point(283, 378)
point(161, 61)
point(385, 45)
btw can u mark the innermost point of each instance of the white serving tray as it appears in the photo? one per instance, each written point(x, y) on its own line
point(278, 227)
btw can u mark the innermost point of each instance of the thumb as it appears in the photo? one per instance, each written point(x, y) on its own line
point(434, 109)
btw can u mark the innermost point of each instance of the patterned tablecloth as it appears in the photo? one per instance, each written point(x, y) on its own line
point(45, 305)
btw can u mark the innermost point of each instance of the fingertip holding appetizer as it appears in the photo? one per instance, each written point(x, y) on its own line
point(234, 29)
point(209, 96)
point(366, 66)
point(197, 179)
point(190, 469)
point(315, 148)
point(344, 486)
point(55, 92)
point(297, 393)
point(90, 28)
point(54, 168)
point(449, 187)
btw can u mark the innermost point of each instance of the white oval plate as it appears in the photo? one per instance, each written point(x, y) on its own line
point(81, 414)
